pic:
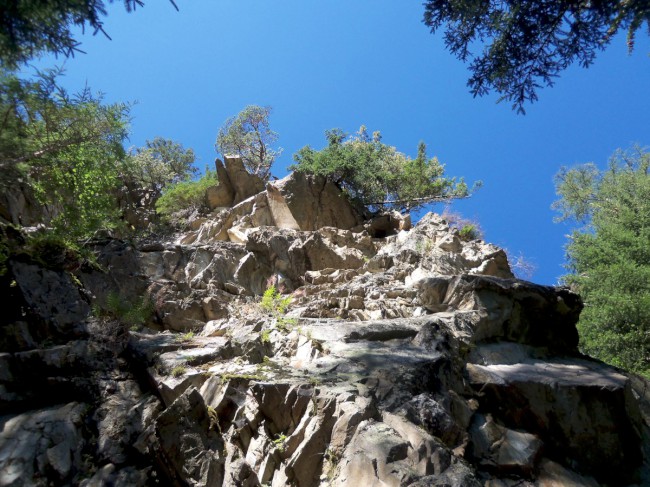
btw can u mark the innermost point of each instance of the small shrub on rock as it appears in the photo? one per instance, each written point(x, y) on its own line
point(273, 302)
point(185, 195)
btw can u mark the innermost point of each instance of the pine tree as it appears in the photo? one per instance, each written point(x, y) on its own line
point(609, 259)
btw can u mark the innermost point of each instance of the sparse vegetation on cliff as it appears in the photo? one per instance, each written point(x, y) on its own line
point(185, 195)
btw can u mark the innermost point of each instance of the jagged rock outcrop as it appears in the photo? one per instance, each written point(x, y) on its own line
point(406, 357)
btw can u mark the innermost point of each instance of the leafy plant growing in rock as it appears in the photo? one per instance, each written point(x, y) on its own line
point(468, 229)
point(185, 196)
point(213, 416)
point(273, 302)
point(280, 442)
point(265, 336)
point(276, 305)
point(185, 337)
point(227, 377)
point(424, 245)
point(469, 232)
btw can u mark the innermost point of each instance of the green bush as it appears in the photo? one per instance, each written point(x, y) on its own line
point(467, 228)
point(186, 195)
point(469, 232)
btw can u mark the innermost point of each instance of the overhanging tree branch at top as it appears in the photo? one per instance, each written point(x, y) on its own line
point(517, 47)
point(29, 28)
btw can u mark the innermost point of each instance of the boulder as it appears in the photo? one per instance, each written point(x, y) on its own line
point(222, 195)
point(282, 216)
point(315, 202)
point(568, 404)
point(235, 184)
point(244, 184)
point(51, 295)
point(186, 444)
point(42, 443)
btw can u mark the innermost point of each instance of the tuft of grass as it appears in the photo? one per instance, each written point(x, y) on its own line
point(467, 229)
point(285, 325)
point(186, 337)
point(214, 418)
point(179, 370)
point(226, 377)
point(469, 232)
point(424, 245)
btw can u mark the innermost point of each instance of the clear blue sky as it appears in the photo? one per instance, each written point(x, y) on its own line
point(342, 64)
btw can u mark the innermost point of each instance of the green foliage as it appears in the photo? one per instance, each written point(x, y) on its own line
point(186, 337)
point(285, 324)
point(185, 195)
point(130, 312)
point(467, 229)
point(378, 176)
point(280, 442)
point(227, 377)
point(66, 148)
point(29, 28)
point(4, 256)
point(51, 250)
point(213, 416)
point(179, 370)
point(265, 336)
point(469, 232)
point(528, 44)
point(159, 163)
point(249, 135)
point(424, 245)
point(273, 302)
point(609, 259)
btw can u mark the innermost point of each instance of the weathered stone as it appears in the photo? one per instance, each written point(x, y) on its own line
point(568, 404)
point(518, 311)
point(502, 450)
point(243, 183)
point(41, 443)
point(315, 202)
point(52, 295)
point(187, 448)
point(121, 418)
point(459, 474)
point(223, 194)
point(405, 357)
point(282, 216)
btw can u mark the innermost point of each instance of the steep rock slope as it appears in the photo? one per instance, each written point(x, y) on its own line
point(405, 356)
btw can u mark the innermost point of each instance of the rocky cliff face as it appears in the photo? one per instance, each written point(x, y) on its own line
point(406, 357)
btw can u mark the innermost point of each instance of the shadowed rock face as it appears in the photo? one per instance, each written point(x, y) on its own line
point(413, 359)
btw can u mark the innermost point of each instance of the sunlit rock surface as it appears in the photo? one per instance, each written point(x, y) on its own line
point(406, 357)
